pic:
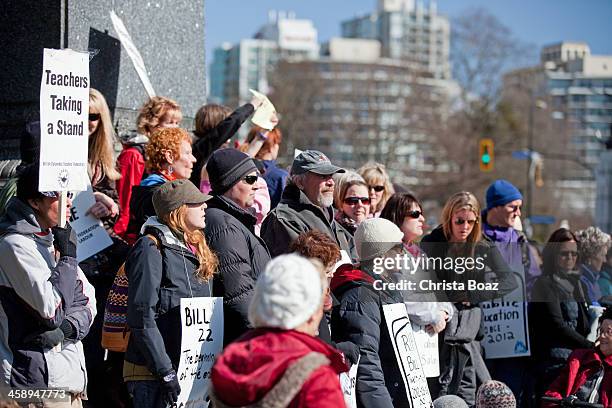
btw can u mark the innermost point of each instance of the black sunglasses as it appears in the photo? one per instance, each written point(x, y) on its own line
point(250, 179)
point(356, 200)
point(94, 116)
point(378, 189)
point(461, 221)
point(415, 214)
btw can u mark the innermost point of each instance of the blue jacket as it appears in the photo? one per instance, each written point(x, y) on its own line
point(276, 178)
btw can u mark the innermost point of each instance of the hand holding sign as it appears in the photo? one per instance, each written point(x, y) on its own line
point(265, 114)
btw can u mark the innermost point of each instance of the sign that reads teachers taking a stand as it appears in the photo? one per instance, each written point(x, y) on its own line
point(64, 106)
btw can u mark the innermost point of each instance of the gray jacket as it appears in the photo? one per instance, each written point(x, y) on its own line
point(36, 295)
point(296, 214)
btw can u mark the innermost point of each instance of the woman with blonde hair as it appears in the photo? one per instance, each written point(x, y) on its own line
point(352, 200)
point(157, 113)
point(379, 186)
point(172, 261)
point(169, 157)
point(459, 239)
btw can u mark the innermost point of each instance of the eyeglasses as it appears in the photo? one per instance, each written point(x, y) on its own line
point(57, 194)
point(94, 116)
point(567, 254)
point(414, 214)
point(461, 221)
point(514, 208)
point(378, 189)
point(357, 200)
point(606, 333)
point(250, 179)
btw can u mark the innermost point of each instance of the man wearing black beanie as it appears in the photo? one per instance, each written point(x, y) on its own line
point(230, 232)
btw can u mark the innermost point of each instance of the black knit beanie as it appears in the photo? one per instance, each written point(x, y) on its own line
point(226, 167)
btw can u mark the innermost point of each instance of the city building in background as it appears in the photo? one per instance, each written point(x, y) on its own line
point(578, 86)
point(239, 67)
point(407, 32)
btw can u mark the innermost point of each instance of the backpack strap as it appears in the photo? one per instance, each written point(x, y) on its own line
point(288, 387)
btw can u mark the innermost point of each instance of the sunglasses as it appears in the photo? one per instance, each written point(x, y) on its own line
point(567, 254)
point(514, 208)
point(250, 179)
point(461, 221)
point(57, 194)
point(415, 214)
point(357, 200)
point(378, 189)
point(94, 116)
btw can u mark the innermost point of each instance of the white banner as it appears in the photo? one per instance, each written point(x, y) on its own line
point(132, 52)
point(427, 344)
point(201, 343)
point(348, 383)
point(64, 110)
point(91, 235)
point(407, 355)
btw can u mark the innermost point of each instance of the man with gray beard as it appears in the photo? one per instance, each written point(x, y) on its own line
point(306, 204)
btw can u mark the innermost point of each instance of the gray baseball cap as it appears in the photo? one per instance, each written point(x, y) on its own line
point(172, 194)
point(314, 161)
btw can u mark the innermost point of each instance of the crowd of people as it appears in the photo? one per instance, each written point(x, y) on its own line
point(296, 256)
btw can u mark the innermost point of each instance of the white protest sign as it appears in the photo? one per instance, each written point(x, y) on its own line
point(348, 383)
point(201, 343)
point(407, 355)
point(64, 106)
point(132, 51)
point(264, 114)
point(506, 327)
point(345, 259)
point(90, 233)
point(296, 152)
point(427, 345)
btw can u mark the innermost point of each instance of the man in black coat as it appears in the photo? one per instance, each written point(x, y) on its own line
point(306, 205)
point(231, 235)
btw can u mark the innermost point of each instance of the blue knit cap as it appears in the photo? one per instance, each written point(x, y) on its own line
point(502, 192)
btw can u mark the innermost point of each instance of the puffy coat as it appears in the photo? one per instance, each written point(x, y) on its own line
point(582, 366)
point(297, 214)
point(230, 233)
point(158, 279)
point(359, 319)
point(257, 362)
point(37, 293)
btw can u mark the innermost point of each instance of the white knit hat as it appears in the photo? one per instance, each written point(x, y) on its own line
point(287, 293)
point(375, 236)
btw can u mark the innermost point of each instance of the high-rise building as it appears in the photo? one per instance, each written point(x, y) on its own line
point(578, 86)
point(408, 32)
point(237, 68)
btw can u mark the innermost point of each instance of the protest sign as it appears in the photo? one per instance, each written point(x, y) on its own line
point(506, 325)
point(90, 233)
point(427, 345)
point(201, 343)
point(348, 383)
point(132, 52)
point(264, 114)
point(64, 106)
point(407, 355)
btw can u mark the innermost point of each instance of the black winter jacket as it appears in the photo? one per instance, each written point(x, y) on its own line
point(158, 279)
point(359, 319)
point(207, 143)
point(242, 257)
point(296, 214)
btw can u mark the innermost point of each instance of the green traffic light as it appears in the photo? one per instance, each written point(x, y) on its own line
point(486, 159)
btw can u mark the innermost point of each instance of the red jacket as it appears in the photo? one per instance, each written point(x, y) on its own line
point(131, 164)
point(248, 368)
point(580, 365)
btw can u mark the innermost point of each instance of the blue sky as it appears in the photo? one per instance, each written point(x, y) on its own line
point(537, 22)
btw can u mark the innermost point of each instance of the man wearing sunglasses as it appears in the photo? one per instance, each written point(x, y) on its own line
point(230, 233)
point(46, 302)
point(306, 204)
point(504, 203)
